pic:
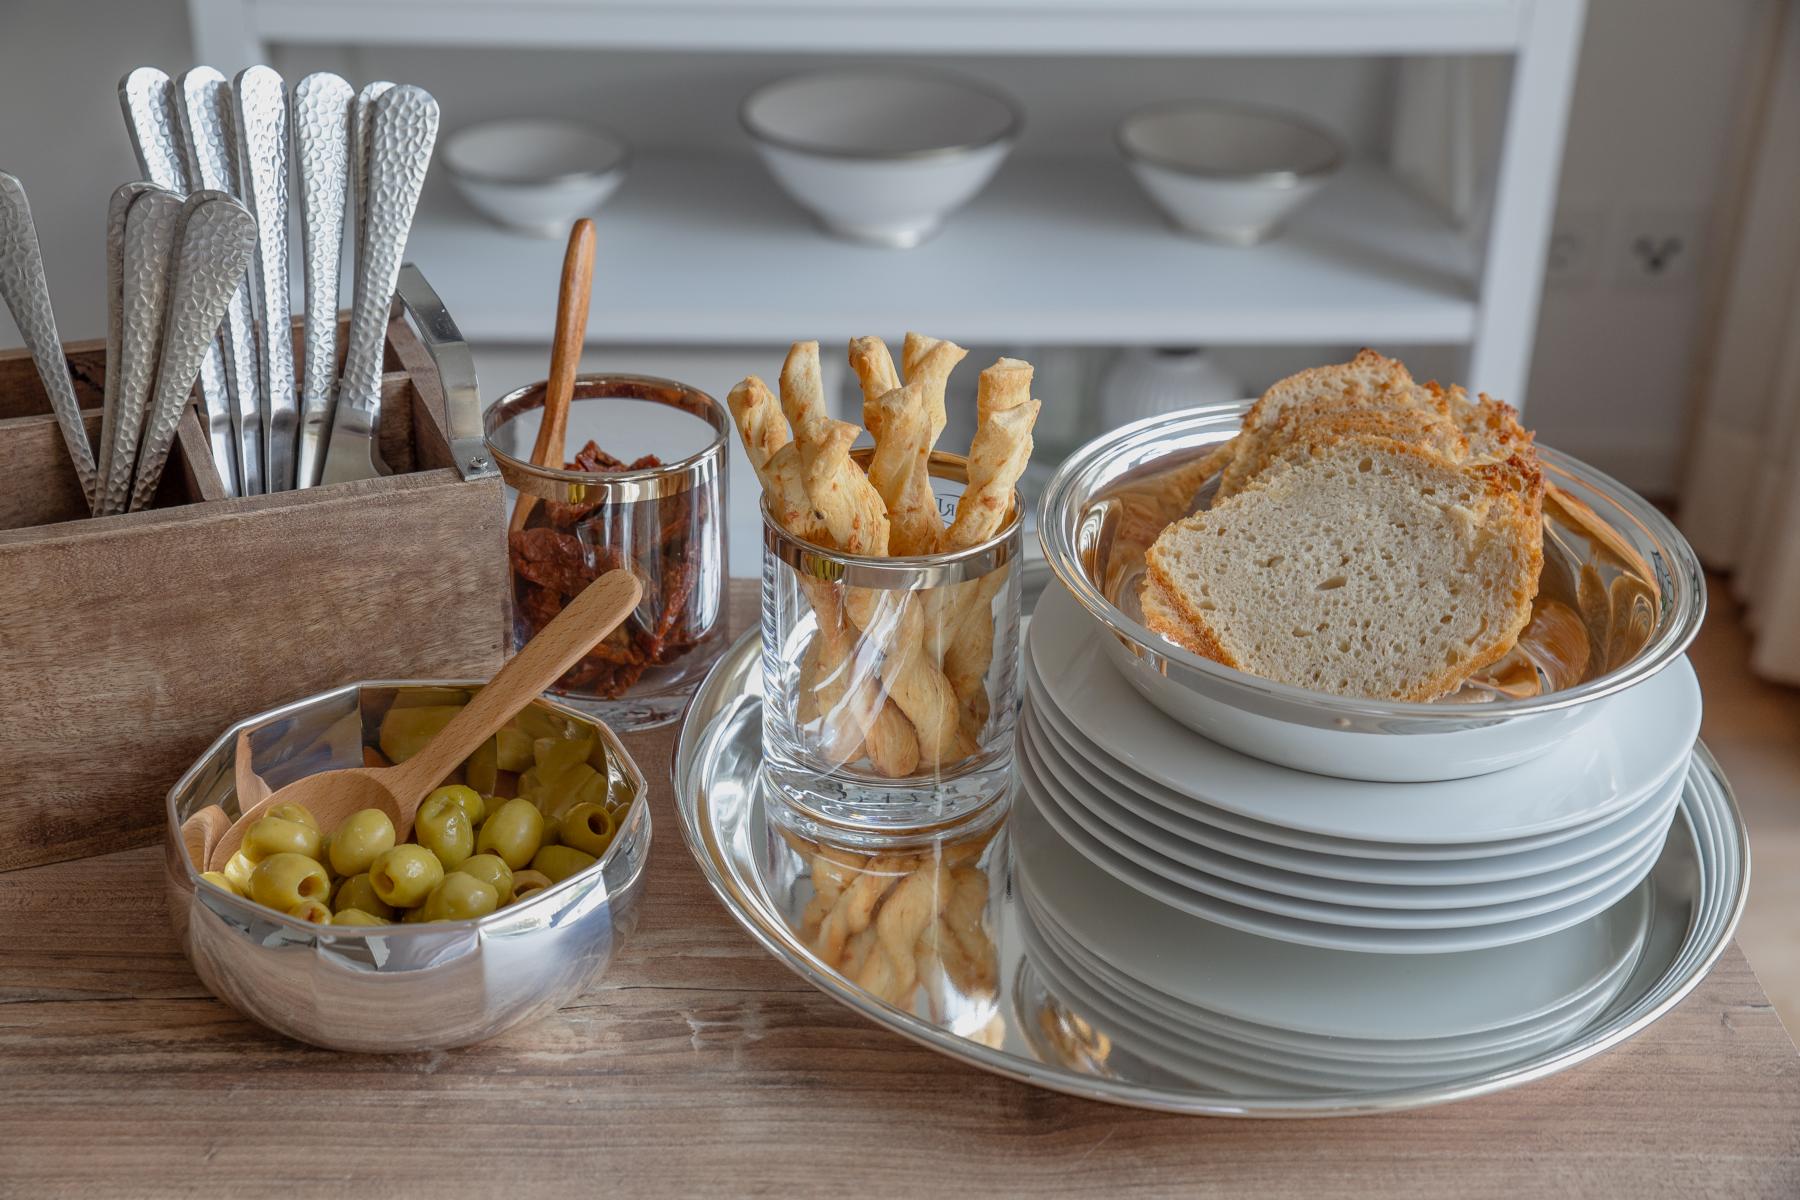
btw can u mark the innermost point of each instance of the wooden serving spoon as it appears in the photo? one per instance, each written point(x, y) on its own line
point(572, 298)
point(398, 791)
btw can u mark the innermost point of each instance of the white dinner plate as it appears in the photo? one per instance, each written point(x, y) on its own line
point(1104, 812)
point(1390, 931)
point(1326, 858)
point(1583, 1003)
point(1643, 735)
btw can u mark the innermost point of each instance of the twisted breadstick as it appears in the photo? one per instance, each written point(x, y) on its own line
point(874, 368)
point(928, 363)
point(759, 423)
point(802, 393)
point(847, 503)
point(894, 620)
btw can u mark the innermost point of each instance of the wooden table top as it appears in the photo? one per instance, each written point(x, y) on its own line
point(700, 1065)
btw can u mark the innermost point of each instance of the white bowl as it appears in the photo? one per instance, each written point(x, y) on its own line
point(536, 175)
point(880, 156)
point(1225, 171)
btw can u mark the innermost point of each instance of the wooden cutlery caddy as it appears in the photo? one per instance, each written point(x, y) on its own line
point(128, 643)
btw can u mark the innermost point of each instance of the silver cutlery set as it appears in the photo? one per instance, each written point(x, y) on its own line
point(197, 279)
point(278, 424)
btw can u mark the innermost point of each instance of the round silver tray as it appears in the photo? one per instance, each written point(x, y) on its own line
point(1004, 1020)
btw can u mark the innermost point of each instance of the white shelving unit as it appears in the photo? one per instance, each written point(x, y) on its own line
point(1053, 251)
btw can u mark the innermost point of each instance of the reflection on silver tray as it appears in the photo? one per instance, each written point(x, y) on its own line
point(972, 989)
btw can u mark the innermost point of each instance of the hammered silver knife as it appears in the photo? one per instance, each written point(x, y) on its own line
point(150, 227)
point(149, 100)
point(203, 101)
point(215, 241)
point(259, 112)
point(322, 115)
point(122, 197)
point(27, 294)
point(403, 126)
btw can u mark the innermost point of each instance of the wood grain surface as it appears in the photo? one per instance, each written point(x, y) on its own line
point(698, 1065)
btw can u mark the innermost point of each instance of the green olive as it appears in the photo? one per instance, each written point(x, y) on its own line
point(492, 870)
point(355, 916)
point(528, 883)
point(413, 916)
point(405, 875)
point(315, 911)
point(444, 828)
point(467, 799)
point(560, 862)
point(514, 832)
point(459, 898)
point(359, 840)
point(283, 880)
point(237, 871)
point(588, 827)
point(356, 892)
point(273, 835)
point(297, 813)
point(218, 880)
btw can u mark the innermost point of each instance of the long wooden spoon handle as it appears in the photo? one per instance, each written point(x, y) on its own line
point(593, 614)
point(572, 297)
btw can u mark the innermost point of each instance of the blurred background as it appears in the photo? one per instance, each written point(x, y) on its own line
point(1584, 210)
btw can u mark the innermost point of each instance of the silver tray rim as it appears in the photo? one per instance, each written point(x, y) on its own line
point(712, 701)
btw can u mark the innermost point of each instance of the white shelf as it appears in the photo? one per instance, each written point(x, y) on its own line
point(708, 251)
point(1010, 27)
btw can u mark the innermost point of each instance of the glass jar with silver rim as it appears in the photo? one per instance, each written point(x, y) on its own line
point(645, 490)
point(890, 684)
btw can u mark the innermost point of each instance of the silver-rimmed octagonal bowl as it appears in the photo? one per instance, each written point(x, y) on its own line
point(1621, 597)
point(394, 988)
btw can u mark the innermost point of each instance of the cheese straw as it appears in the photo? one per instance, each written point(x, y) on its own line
point(905, 427)
point(874, 368)
point(760, 423)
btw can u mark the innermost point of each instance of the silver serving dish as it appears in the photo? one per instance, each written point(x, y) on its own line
point(1622, 594)
point(393, 988)
point(1003, 1014)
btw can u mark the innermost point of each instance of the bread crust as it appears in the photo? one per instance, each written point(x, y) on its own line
point(1163, 615)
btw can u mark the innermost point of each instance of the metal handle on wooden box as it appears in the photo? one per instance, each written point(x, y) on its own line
point(455, 368)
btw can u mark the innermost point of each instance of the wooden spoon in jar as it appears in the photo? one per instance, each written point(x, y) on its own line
point(331, 796)
point(572, 297)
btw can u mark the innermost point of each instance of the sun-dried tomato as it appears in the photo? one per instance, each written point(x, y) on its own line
point(552, 561)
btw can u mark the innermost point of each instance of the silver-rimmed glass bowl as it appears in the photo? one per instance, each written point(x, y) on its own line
point(393, 988)
point(1621, 590)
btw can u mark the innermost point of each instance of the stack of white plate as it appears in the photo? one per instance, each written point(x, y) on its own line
point(1243, 1013)
point(1419, 868)
point(1241, 922)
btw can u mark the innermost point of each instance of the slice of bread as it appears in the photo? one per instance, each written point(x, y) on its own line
point(1370, 390)
point(1358, 565)
point(1300, 428)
